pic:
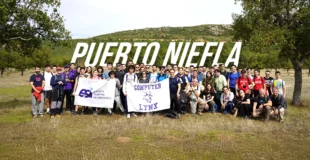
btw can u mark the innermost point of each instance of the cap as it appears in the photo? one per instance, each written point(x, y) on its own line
point(243, 71)
point(66, 66)
point(59, 69)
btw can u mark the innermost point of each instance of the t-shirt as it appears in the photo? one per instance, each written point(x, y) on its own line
point(47, 77)
point(261, 100)
point(173, 85)
point(243, 84)
point(208, 95)
point(227, 97)
point(259, 83)
point(37, 80)
point(232, 79)
point(143, 80)
point(268, 81)
point(220, 82)
point(162, 77)
point(153, 77)
point(279, 83)
point(250, 77)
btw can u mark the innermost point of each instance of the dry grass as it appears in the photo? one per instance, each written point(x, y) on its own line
point(151, 137)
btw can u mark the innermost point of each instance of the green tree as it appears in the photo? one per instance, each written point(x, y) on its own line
point(267, 23)
point(25, 24)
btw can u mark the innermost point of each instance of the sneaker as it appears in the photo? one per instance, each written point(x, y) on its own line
point(199, 113)
point(110, 114)
point(224, 112)
point(133, 114)
point(52, 116)
point(128, 115)
point(82, 113)
point(41, 115)
point(48, 113)
point(35, 116)
point(178, 116)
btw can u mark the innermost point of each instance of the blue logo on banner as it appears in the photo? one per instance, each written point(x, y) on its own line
point(148, 97)
point(85, 93)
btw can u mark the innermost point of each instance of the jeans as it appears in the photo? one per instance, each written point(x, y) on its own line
point(69, 104)
point(175, 103)
point(228, 108)
point(34, 106)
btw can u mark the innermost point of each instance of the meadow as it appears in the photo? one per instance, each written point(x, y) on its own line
point(151, 137)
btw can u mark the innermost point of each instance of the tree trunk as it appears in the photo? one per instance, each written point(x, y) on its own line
point(22, 74)
point(298, 83)
point(2, 70)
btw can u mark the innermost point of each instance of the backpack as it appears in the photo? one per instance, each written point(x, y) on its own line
point(172, 115)
point(247, 79)
point(134, 76)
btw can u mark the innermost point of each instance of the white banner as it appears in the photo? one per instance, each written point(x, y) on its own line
point(145, 97)
point(95, 93)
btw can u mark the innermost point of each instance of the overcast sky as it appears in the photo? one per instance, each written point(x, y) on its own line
point(88, 18)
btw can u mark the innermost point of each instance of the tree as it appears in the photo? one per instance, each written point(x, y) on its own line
point(25, 24)
point(267, 23)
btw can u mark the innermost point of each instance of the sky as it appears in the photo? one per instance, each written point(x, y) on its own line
point(88, 18)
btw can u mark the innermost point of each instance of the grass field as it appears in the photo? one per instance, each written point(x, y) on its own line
point(152, 137)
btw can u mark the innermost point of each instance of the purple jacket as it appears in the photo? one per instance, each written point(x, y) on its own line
point(70, 76)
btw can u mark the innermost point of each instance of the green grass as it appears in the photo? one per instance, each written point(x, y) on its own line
point(151, 137)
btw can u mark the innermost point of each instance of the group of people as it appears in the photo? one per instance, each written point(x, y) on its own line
point(194, 90)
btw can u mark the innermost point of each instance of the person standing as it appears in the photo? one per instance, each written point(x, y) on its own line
point(259, 83)
point(223, 71)
point(68, 89)
point(162, 75)
point(129, 77)
point(153, 76)
point(47, 90)
point(232, 78)
point(144, 78)
point(95, 77)
point(119, 74)
point(244, 83)
point(117, 98)
point(106, 72)
point(268, 82)
point(37, 83)
point(279, 84)
point(58, 82)
point(219, 83)
point(81, 75)
point(175, 87)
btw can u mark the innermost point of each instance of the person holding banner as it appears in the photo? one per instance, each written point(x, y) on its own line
point(129, 77)
point(175, 87)
point(117, 98)
point(144, 78)
point(58, 82)
point(95, 77)
point(82, 75)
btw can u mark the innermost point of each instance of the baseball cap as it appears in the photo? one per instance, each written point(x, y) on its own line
point(66, 66)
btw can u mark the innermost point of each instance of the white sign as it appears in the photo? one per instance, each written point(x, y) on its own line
point(95, 93)
point(145, 97)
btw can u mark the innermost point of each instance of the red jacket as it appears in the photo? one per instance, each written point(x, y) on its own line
point(38, 95)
